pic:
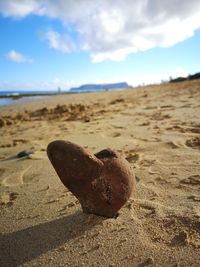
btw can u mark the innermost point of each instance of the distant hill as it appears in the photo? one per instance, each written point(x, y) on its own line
point(99, 87)
point(188, 78)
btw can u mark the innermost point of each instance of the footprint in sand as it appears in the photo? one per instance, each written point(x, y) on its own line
point(158, 116)
point(29, 176)
point(116, 134)
point(193, 180)
point(132, 157)
point(155, 207)
point(195, 198)
point(19, 141)
point(193, 130)
point(147, 162)
point(184, 129)
point(193, 143)
point(140, 160)
point(14, 178)
point(181, 238)
point(173, 144)
point(7, 198)
point(160, 179)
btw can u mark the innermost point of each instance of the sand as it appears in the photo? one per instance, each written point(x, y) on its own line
point(156, 128)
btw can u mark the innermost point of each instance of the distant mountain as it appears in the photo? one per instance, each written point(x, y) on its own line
point(99, 87)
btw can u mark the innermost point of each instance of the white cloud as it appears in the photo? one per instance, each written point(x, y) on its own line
point(110, 29)
point(16, 8)
point(59, 42)
point(18, 57)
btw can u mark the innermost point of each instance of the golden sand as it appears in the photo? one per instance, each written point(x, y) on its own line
point(156, 128)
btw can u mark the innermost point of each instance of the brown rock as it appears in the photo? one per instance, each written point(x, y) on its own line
point(102, 182)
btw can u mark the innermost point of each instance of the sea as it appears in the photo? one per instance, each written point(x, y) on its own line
point(15, 97)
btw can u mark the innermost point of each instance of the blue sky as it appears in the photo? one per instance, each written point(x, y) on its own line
point(46, 44)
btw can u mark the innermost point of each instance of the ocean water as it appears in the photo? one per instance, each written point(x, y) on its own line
point(18, 93)
point(10, 97)
point(5, 101)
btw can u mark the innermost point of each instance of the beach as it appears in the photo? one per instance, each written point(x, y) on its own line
point(156, 128)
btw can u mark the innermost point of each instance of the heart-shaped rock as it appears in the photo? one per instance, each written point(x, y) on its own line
point(102, 182)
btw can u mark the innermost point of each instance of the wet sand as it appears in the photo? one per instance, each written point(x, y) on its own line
point(156, 128)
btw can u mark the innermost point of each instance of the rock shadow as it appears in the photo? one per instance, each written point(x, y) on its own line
point(22, 246)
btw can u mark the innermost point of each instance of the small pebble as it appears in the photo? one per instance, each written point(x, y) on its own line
point(25, 153)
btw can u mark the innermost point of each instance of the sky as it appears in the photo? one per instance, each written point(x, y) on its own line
point(46, 44)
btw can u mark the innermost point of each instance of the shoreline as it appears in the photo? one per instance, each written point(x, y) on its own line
point(7, 100)
point(20, 95)
point(29, 96)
